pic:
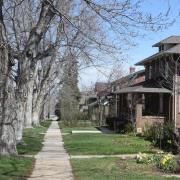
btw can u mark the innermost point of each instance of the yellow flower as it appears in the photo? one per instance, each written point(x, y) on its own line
point(169, 141)
point(166, 159)
point(160, 152)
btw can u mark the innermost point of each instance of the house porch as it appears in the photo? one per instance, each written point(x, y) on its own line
point(143, 106)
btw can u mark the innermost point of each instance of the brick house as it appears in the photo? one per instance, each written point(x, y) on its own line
point(96, 109)
point(101, 88)
point(118, 103)
point(157, 99)
point(105, 108)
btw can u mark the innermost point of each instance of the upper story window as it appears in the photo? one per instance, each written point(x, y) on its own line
point(166, 69)
point(150, 72)
point(161, 48)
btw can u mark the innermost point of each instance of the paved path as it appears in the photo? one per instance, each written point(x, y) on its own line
point(121, 156)
point(52, 162)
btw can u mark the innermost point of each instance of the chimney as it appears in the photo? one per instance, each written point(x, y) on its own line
point(132, 70)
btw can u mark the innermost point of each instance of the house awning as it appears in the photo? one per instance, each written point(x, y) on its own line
point(141, 89)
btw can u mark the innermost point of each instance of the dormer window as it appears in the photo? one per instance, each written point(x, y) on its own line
point(161, 48)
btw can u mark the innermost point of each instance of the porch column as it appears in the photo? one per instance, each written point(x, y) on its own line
point(116, 105)
point(139, 118)
point(161, 103)
point(129, 102)
point(143, 102)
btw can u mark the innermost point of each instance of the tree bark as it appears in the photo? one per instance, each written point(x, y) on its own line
point(28, 106)
point(19, 123)
point(37, 108)
point(28, 61)
point(7, 101)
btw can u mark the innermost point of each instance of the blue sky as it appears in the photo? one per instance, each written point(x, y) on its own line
point(144, 45)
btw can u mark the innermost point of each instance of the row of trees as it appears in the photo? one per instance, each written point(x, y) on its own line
point(44, 42)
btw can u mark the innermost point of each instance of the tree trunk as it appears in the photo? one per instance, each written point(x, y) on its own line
point(37, 109)
point(7, 98)
point(19, 123)
point(36, 115)
point(28, 106)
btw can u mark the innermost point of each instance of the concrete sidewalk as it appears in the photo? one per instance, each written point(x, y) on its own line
point(52, 162)
point(121, 156)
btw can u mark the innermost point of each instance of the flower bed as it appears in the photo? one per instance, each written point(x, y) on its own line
point(167, 163)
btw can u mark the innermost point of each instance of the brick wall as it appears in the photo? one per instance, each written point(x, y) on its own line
point(143, 121)
point(139, 79)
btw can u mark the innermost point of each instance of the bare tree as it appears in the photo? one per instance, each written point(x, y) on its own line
point(7, 96)
point(90, 28)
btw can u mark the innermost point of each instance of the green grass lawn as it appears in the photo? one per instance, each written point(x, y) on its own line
point(69, 129)
point(18, 168)
point(80, 125)
point(33, 139)
point(114, 169)
point(107, 144)
point(15, 168)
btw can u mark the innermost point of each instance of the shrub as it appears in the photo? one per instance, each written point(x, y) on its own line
point(157, 160)
point(128, 127)
point(162, 136)
point(168, 163)
point(143, 158)
point(154, 133)
point(125, 127)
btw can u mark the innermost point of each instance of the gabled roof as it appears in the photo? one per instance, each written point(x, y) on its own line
point(169, 40)
point(127, 80)
point(173, 50)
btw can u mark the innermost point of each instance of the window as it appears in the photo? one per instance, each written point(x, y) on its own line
point(161, 103)
point(150, 72)
point(161, 48)
point(166, 69)
point(157, 69)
